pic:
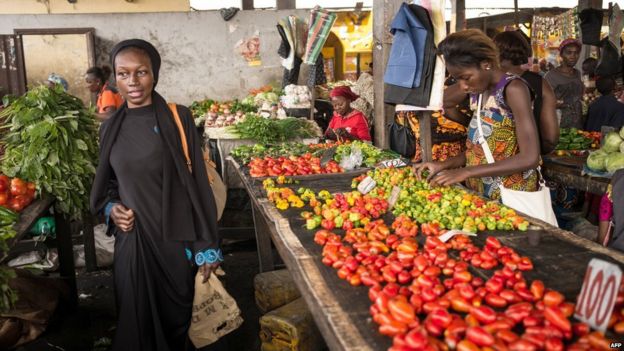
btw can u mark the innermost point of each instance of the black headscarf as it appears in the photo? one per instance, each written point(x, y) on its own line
point(139, 44)
point(182, 190)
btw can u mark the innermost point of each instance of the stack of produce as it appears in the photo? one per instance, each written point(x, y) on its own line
point(296, 96)
point(610, 157)
point(16, 193)
point(270, 131)
point(370, 155)
point(425, 294)
point(263, 97)
point(8, 219)
point(290, 166)
point(442, 208)
point(211, 113)
point(52, 141)
point(575, 139)
point(246, 153)
point(259, 155)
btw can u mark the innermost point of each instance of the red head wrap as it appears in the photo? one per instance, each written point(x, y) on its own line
point(345, 92)
point(568, 42)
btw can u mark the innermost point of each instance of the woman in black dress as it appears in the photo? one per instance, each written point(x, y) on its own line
point(163, 216)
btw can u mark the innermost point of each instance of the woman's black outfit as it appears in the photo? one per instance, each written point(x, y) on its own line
point(142, 166)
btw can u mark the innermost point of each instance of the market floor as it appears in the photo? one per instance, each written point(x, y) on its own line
point(91, 326)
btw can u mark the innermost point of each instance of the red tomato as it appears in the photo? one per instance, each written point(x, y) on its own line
point(18, 187)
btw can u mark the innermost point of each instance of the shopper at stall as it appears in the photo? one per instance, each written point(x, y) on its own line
point(347, 122)
point(163, 216)
point(515, 52)
point(506, 119)
point(108, 98)
point(567, 84)
point(606, 110)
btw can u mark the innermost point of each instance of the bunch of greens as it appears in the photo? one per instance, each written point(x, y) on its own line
point(246, 153)
point(371, 155)
point(52, 141)
point(270, 131)
point(199, 108)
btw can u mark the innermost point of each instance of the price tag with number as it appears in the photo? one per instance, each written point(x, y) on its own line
point(394, 196)
point(395, 163)
point(597, 298)
point(451, 233)
point(366, 185)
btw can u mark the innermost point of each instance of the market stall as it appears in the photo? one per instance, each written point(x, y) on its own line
point(342, 312)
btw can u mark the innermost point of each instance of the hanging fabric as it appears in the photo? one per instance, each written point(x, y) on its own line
point(320, 24)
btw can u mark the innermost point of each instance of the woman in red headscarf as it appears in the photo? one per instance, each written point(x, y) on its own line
point(347, 123)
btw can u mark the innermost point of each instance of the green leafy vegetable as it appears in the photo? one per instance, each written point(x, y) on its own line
point(52, 141)
point(270, 131)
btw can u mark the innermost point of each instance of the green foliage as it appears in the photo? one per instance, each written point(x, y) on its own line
point(52, 141)
point(270, 131)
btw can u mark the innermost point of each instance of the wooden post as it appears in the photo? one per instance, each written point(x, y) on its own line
point(458, 15)
point(516, 17)
point(383, 13)
point(66, 254)
point(286, 4)
point(248, 4)
point(426, 143)
point(89, 242)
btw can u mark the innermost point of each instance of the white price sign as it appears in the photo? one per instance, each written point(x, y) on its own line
point(394, 196)
point(597, 298)
point(395, 163)
point(451, 233)
point(366, 185)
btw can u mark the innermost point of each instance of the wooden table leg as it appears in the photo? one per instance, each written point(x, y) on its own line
point(263, 241)
point(89, 242)
point(66, 255)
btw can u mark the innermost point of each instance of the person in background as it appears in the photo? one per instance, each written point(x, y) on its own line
point(514, 52)
point(567, 84)
point(347, 123)
point(55, 79)
point(605, 110)
point(507, 121)
point(163, 216)
point(108, 99)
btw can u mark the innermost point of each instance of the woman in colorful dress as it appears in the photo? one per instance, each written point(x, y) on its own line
point(506, 117)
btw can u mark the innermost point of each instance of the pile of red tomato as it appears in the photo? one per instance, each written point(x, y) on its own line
point(426, 300)
point(16, 194)
point(291, 166)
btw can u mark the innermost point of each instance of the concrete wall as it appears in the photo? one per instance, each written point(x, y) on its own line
point(91, 6)
point(66, 55)
point(197, 48)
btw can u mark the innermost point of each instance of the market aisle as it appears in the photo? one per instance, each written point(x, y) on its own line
point(92, 324)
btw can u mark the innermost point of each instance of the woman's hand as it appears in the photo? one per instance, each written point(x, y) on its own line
point(122, 217)
point(207, 269)
point(450, 177)
point(433, 168)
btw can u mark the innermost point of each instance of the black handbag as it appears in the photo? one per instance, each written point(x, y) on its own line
point(402, 139)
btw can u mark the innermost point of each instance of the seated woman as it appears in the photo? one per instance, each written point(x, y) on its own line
point(507, 121)
point(347, 123)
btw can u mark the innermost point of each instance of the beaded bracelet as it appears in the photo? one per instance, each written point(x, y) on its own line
point(208, 256)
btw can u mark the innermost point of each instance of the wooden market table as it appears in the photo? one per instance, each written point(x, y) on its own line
point(342, 312)
point(39, 208)
point(569, 171)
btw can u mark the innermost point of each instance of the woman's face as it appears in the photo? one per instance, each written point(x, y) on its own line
point(570, 55)
point(341, 105)
point(472, 80)
point(93, 83)
point(134, 77)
